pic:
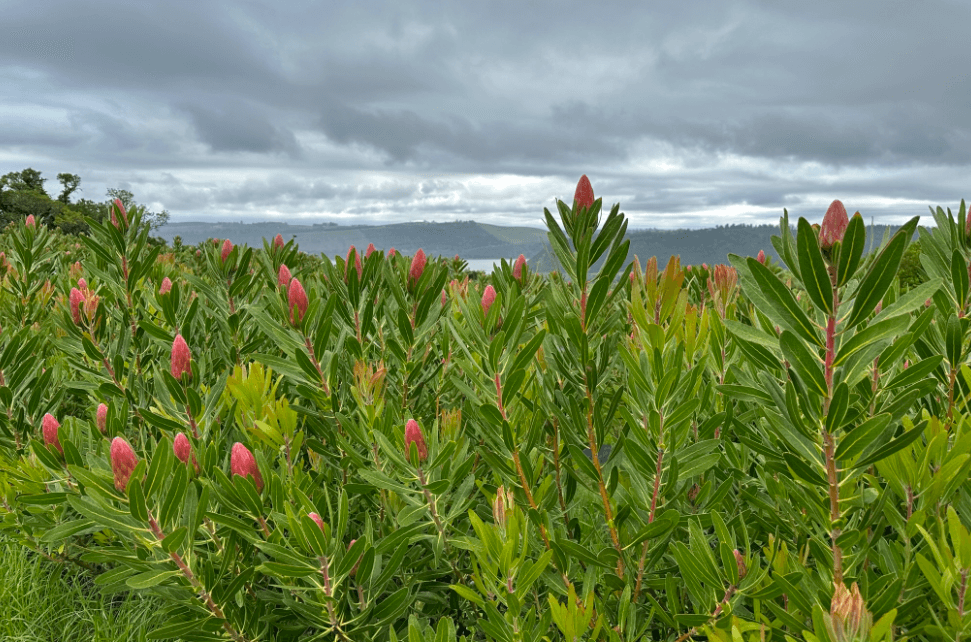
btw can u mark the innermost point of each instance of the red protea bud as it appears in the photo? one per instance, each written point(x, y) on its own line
point(166, 286)
point(392, 252)
point(30, 222)
point(834, 225)
point(298, 302)
point(182, 448)
point(49, 426)
point(102, 416)
point(357, 262)
point(417, 265)
point(227, 248)
point(123, 462)
point(488, 297)
point(120, 208)
point(242, 463)
point(358, 562)
point(443, 297)
point(278, 241)
point(761, 257)
point(180, 357)
point(76, 298)
point(584, 194)
point(740, 560)
point(283, 276)
point(82, 283)
point(414, 435)
point(369, 250)
point(517, 270)
point(317, 519)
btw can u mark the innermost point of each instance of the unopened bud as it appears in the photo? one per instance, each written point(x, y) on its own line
point(488, 298)
point(417, 265)
point(49, 426)
point(182, 448)
point(834, 225)
point(358, 562)
point(317, 520)
point(75, 299)
point(517, 269)
point(243, 463)
point(278, 241)
point(30, 222)
point(181, 357)
point(102, 419)
point(369, 250)
point(357, 262)
point(761, 257)
point(283, 276)
point(227, 248)
point(123, 462)
point(740, 560)
point(584, 194)
point(166, 286)
point(414, 435)
point(298, 302)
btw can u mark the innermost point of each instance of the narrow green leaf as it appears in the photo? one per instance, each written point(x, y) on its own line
point(815, 276)
point(851, 250)
point(882, 273)
point(787, 311)
point(806, 365)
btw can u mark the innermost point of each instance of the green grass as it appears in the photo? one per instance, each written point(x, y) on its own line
point(42, 600)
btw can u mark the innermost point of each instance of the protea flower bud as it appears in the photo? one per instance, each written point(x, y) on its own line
point(298, 302)
point(283, 276)
point(517, 269)
point(49, 426)
point(584, 194)
point(443, 297)
point(30, 222)
point(761, 257)
point(242, 463)
point(102, 416)
point(392, 252)
point(414, 435)
point(278, 241)
point(358, 562)
point(417, 265)
point(198, 253)
point(317, 519)
point(182, 448)
point(834, 225)
point(369, 250)
point(82, 283)
point(75, 299)
point(503, 503)
point(740, 560)
point(227, 248)
point(357, 262)
point(488, 297)
point(123, 462)
point(180, 357)
point(848, 619)
point(166, 286)
point(120, 208)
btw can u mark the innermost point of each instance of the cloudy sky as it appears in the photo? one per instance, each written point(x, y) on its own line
point(687, 114)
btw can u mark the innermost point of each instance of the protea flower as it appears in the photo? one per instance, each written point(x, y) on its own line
point(182, 448)
point(414, 435)
point(443, 297)
point(242, 463)
point(369, 250)
point(761, 257)
point(417, 265)
point(503, 503)
point(517, 269)
point(392, 252)
point(298, 302)
point(488, 297)
point(584, 194)
point(76, 298)
point(283, 276)
point(120, 208)
point(30, 222)
point(82, 284)
point(166, 286)
point(357, 262)
point(317, 519)
point(834, 225)
point(123, 462)
point(227, 248)
point(740, 561)
point(278, 241)
point(180, 357)
point(848, 619)
point(102, 416)
point(49, 426)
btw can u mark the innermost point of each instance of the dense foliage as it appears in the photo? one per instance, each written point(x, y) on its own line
point(373, 447)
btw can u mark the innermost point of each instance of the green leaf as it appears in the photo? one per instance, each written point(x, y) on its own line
point(851, 250)
point(899, 443)
point(862, 436)
point(954, 341)
point(586, 465)
point(149, 579)
point(806, 365)
point(803, 471)
point(788, 313)
point(959, 278)
point(136, 501)
point(660, 527)
point(874, 333)
point(882, 273)
point(837, 407)
point(815, 276)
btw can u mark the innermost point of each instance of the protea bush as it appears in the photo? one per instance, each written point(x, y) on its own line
point(760, 450)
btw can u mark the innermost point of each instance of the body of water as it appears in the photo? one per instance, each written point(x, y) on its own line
point(487, 265)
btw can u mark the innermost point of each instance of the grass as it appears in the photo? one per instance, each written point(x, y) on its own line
point(41, 600)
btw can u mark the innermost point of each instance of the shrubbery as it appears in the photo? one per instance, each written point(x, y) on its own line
point(288, 447)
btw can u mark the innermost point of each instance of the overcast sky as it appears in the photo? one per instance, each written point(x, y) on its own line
point(687, 114)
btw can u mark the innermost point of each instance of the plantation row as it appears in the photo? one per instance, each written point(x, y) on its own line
point(286, 447)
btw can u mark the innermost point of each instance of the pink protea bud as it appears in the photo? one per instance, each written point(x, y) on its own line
point(488, 298)
point(75, 299)
point(417, 265)
point(182, 448)
point(704, 266)
point(740, 560)
point(30, 222)
point(278, 241)
point(414, 435)
point(49, 426)
point(227, 248)
point(82, 283)
point(517, 270)
point(392, 252)
point(242, 463)
point(123, 462)
point(443, 297)
point(102, 416)
point(166, 286)
point(180, 357)
point(369, 250)
point(283, 276)
point(584, 194)
point(120, 208)
point(834, 225)
point(298, 302)
point(358, 562)
point(198, 253)
point(357, 262)
point(761, 257)
point(317, 519)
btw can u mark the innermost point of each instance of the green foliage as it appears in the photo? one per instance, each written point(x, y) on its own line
point(773, 451)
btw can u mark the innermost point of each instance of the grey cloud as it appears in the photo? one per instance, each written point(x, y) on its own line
point(240, 128)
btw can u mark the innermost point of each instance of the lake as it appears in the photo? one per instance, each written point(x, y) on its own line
point(486, 265)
